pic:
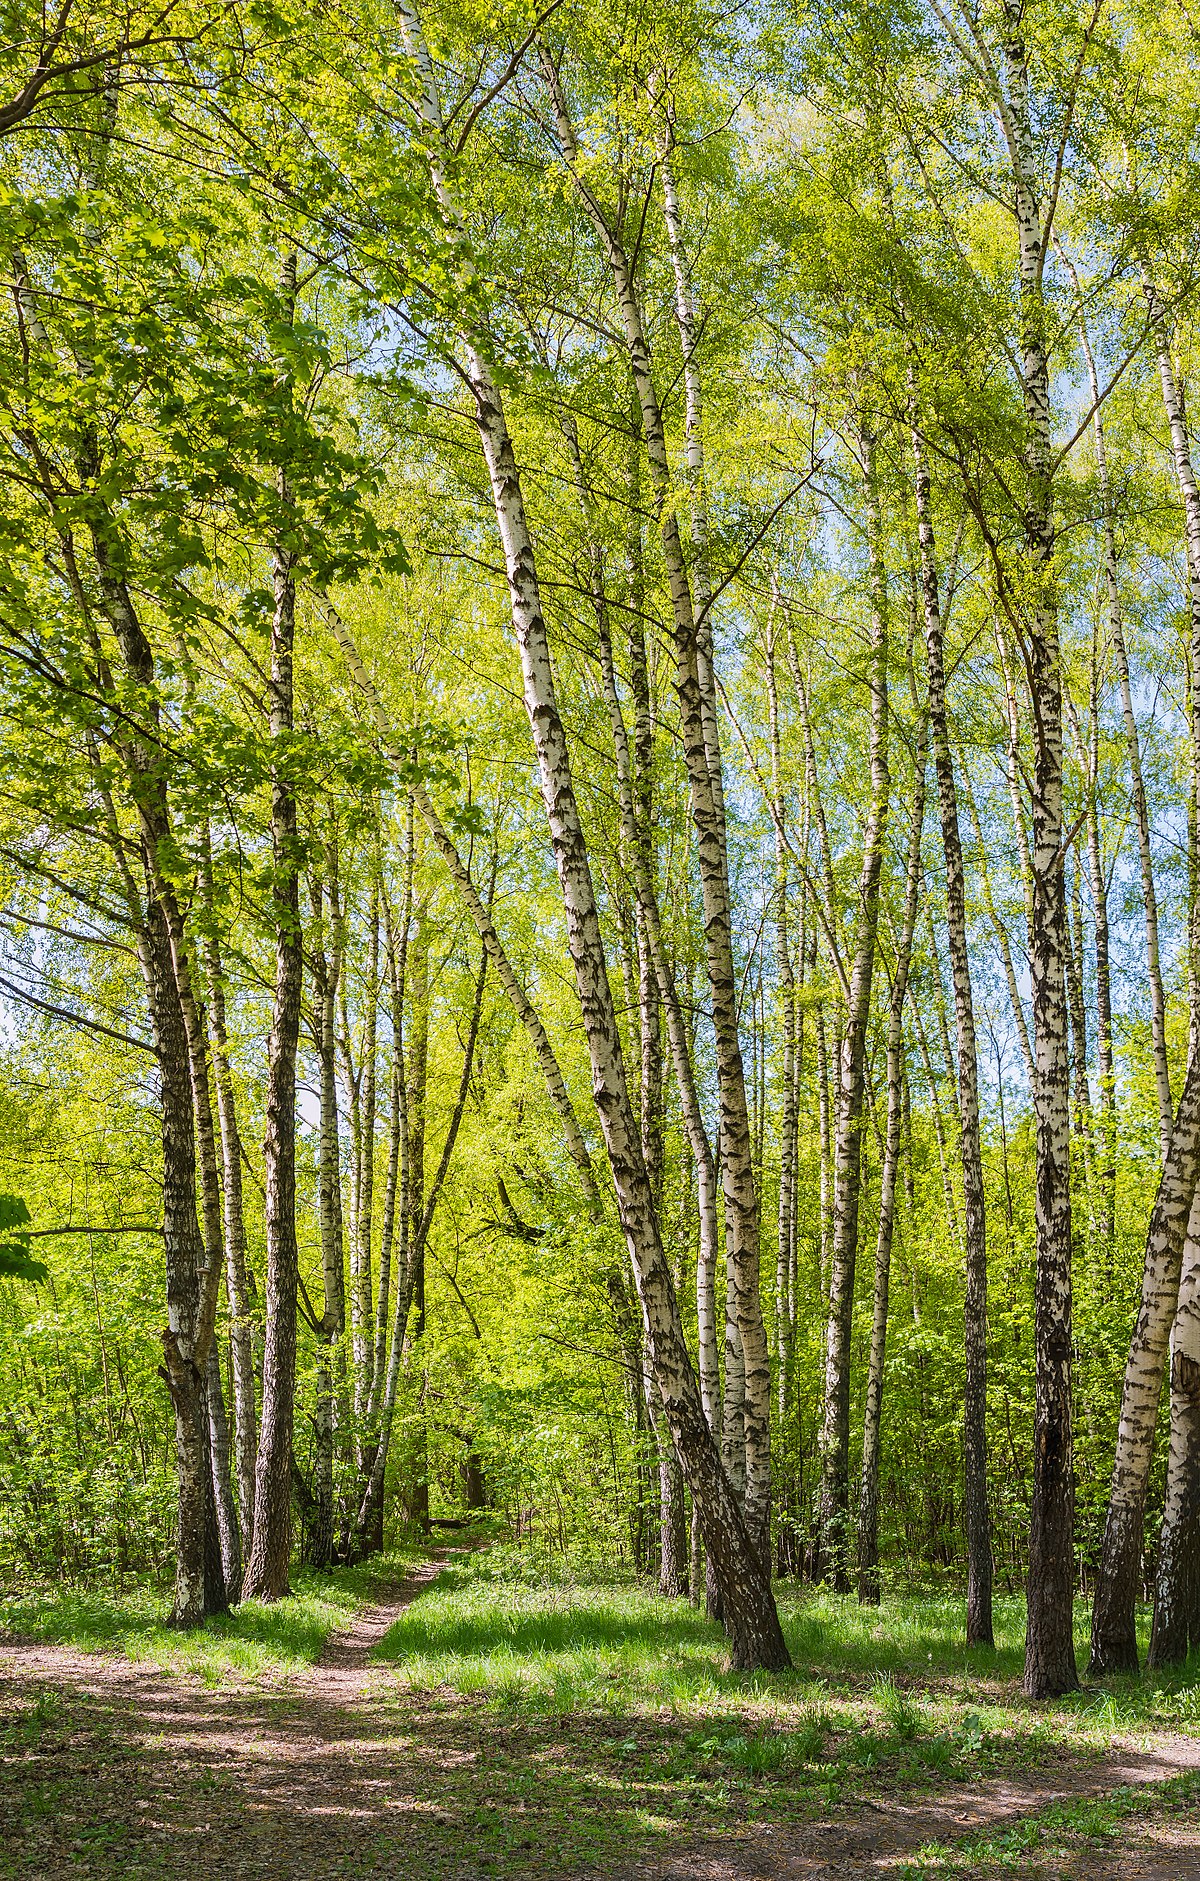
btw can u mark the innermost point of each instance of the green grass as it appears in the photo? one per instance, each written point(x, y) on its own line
point(877, 1700)
point(497, 1627)
point(257, 1640)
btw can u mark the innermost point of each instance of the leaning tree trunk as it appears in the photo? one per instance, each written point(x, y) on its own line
point(979, 1541)
point(268, 1566)
point(1114, 1633)
point(746, 1592)
point(193, 1262)
point(677, 1035)
point(635, 807)
point(1089, 762)
point(184, 1257)
point(835, 1430)
point(702, 758)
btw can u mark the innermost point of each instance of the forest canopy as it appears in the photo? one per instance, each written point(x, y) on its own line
point(601, 752)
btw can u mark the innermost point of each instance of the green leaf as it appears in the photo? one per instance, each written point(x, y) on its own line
point(16, 1262)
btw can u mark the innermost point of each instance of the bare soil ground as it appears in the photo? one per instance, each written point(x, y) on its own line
point(340, 1773)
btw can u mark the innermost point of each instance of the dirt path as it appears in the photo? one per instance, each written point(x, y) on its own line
point(341, 1773)
point(342, 1673)
point(878, 1841)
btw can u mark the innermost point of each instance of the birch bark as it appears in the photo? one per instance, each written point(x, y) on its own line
point(835, 1431)
point(868, 1502)
point(1181, 452)
point(268, 1566)
point(1116, 626)
point(1049, 1651)
point(326, 973)
point(979, 1546)
point(786, 980)
point(238, 1278)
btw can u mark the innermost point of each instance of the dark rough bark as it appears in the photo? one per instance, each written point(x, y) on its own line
point(1118, 1579)
point(184, 1255)
point(320, 1521)
point(1176, 1625)
point(193, 1260)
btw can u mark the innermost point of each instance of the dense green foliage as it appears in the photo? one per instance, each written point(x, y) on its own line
point(184, 420)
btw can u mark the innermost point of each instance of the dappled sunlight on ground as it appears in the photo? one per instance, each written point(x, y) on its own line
point(511, 1723)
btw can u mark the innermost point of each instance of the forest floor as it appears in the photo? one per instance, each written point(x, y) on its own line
point(516, 1720)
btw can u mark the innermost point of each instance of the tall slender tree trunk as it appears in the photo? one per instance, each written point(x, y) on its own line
point(1116, 630)
point(362, 1291)
point(409, 1285)
point(325, 952)
point(206, 1543)
point(1049, 1647)
point(418, 1091)
point(635, 806)
point(979, 1542)
point(984, 878)
point(1181, 452)
point(941, 1135)
point(238, 1278)
point(1088, 750)
point(181, 1370)
point(835, 1432)
point(394, 1232)
point(268, 1566)
point(868, 1502)
point(193, 1261)
point(786, 980)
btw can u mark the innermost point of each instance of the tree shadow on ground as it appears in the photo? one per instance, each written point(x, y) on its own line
point(111, 1768)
